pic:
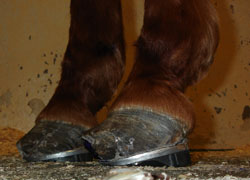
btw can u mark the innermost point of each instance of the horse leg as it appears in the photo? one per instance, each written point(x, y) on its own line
point(150, 120)
point(92, 67)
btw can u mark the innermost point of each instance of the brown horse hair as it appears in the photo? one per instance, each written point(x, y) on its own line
point(175, 50)
point(93, 63)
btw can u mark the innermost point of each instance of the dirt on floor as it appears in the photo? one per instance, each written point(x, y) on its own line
point(8, 139)
point(220, 164)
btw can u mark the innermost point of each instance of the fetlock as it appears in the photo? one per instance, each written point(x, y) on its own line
point(92, 68)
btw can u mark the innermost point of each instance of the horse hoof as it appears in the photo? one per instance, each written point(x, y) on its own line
point(139, 137)
point(53, 141)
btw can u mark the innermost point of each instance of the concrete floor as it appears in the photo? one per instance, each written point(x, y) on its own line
point(213, 167)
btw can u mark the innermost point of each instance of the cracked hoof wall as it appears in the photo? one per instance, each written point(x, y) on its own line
point(53, 141)
point(138, 137)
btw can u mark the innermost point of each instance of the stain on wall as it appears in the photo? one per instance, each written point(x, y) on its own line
point(246, 118)
point(246, 113)
point(36, 106)
point(5, 99)
point(33, 38)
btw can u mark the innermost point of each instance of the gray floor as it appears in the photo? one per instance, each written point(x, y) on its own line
point(13, 168)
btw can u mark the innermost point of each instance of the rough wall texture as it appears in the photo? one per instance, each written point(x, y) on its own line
point(33, 38)
point(222, 100)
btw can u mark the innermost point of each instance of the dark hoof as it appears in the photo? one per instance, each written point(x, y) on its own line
point(53, 141)
point(139, 137)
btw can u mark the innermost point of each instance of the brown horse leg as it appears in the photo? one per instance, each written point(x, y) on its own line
point(150, 120)
point(91, 70)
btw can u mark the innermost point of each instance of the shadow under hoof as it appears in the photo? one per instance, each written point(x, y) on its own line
point(139, 137)
point(53, 141)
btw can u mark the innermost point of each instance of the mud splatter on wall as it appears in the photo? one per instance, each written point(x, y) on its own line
point(33, 38)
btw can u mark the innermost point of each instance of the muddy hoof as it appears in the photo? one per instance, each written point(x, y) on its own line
point(53, 141)
point(139, 137)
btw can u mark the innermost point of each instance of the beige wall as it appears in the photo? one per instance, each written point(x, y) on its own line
point(221, 98)
point(33, 37)
point(32, 33)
